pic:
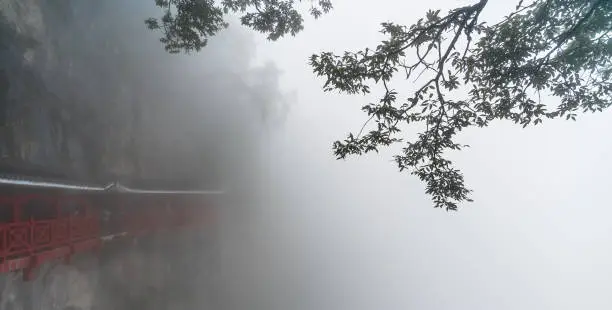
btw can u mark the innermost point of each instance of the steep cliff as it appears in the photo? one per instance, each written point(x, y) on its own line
point(80, 94)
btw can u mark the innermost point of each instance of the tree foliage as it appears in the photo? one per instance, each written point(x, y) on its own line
point(558, 47)
point(186, 25)
point(464, 72)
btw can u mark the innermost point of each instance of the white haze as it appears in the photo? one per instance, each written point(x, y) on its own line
point(357, 234)
point(303, 231)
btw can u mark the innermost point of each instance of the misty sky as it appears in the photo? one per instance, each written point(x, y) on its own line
point(359, 235)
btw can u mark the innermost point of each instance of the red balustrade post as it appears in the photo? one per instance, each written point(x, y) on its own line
point(3, 242)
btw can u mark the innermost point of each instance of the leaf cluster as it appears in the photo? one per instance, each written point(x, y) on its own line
point(557, 47)
point(186, 25)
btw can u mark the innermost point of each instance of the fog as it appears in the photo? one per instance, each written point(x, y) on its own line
point(300, 230)
point(357, 234)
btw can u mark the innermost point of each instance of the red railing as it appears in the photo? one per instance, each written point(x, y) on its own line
point(38, 228)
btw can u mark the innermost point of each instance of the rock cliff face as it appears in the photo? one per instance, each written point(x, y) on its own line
point(60, 108)
point(81, 92)
point(87, 90)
